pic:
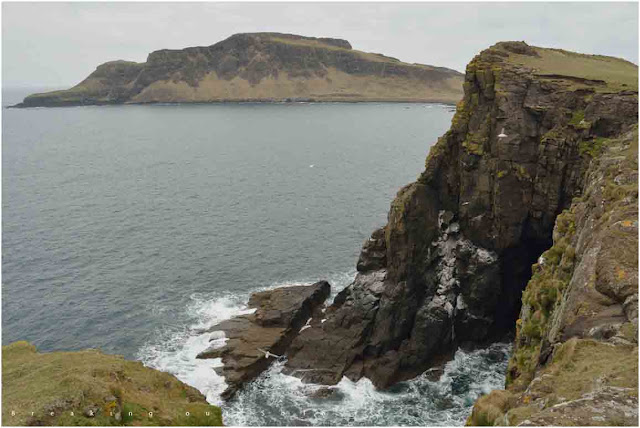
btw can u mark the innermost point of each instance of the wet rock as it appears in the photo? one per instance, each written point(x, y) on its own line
point(450, 265)
point(388, 332)
point(434, 374)
point(279, 316)
point(323, 393)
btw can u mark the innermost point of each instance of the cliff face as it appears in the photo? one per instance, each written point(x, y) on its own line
point(450, 266)
point(575, 359)
point(91, 388)
point(260, 67)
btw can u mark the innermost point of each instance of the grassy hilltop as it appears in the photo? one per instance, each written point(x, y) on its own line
point(99, 389)
point(271, 67)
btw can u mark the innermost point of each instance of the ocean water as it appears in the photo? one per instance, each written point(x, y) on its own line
point(127, 228)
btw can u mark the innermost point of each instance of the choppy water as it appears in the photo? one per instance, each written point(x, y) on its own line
point(126, 228)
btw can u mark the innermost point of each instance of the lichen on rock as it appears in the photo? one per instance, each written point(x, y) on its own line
point(460, 241)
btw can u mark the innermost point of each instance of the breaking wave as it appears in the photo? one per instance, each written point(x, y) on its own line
point(174, 351)
point(278, 399)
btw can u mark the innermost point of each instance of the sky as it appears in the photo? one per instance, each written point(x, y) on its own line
point(56, 45)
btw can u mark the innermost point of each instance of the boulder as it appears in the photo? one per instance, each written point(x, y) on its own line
point(254, 341)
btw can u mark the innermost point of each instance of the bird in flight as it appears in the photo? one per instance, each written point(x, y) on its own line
point(268, 354)
point(502, 134)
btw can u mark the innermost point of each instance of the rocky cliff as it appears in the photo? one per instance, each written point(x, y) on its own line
point(450, 266)
point(91, 388)
point(260, 67)
point(253, 341)
point(575, 359)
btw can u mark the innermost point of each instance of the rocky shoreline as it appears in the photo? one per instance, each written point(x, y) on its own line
point(450, 267)
point(445, 101)
point(253, 341)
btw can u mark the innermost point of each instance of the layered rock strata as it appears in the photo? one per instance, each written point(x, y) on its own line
point(450, 265)
point(270, 67)
point(575, 359)
point(248, 344)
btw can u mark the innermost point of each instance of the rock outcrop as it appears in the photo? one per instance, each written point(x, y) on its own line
point(270, 67)
point(575, 359)
point(450, 266)
point(242, 342)
point(91, 388)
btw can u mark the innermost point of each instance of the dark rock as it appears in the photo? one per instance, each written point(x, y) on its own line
point(374, 253)
point(323, 393)
point(451, 263)
point(280, 314)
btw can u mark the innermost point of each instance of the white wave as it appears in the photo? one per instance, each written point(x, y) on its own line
point(417, 402)
point(420, 401)
point(175, 351)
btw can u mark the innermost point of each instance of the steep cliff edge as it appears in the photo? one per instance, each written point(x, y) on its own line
point(450, 266)
point(91, 388)
point(260, 67)
point(575, 359)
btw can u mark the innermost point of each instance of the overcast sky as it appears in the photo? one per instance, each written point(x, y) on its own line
point(59, 44)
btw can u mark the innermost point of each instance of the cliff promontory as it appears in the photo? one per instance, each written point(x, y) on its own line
point(538, 133)
point(260, 67)
point(91, 388)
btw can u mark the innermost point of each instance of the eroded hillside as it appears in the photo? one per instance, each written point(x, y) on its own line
point(260, 67)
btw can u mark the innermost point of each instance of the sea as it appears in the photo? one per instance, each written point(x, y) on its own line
point(131, 228)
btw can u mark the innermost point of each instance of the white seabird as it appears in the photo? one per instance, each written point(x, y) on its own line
point(502, 134)
point(268, 354)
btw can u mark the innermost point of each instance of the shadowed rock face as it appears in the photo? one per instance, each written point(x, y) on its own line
point(260, 67)
point(575, 358)
point(279, 316)
point(451, 263)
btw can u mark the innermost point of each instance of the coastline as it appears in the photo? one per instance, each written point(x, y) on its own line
point(439, 101)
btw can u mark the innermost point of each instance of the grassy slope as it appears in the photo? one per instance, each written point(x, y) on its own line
point(617, 73)
point(337, 86)
point(578, 367)
point(365, 55)
point(65, 382)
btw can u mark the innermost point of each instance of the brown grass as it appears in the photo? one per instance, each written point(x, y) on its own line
point(335, 86)
point(65, 382)
point(617, 73)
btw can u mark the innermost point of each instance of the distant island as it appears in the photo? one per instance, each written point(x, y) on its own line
point(260, 67)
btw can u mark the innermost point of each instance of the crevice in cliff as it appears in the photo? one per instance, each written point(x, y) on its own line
point(515, 273)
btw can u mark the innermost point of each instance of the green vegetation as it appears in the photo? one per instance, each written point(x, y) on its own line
point(489, 408)
point(578, 121)
point(475, 142)
point(592, 148)
point(61, 388)
point(572, 372)
point(544, 291)
point(616, 74)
